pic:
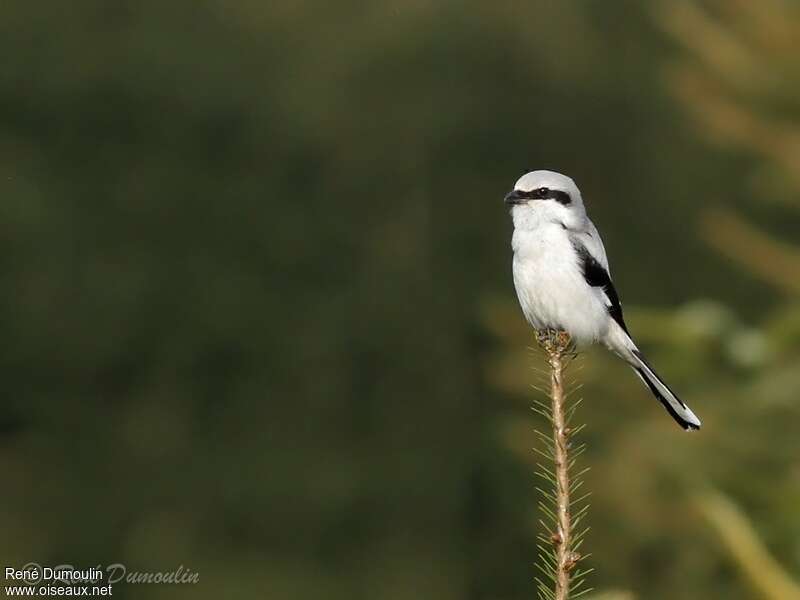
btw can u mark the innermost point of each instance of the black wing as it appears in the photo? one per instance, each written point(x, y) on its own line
point(596, 276)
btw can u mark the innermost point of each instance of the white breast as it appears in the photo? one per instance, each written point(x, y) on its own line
point(551, 288)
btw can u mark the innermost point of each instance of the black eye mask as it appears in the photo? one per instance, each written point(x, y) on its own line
point(544, 193)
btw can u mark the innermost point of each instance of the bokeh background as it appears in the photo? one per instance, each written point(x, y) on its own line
point(257, 314)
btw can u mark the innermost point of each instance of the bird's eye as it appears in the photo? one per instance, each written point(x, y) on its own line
point(543, 192)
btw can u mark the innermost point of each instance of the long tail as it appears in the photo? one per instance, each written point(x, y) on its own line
point(682, 414)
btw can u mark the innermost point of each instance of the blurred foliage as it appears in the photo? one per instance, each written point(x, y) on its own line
point(259, 319)
point(766, 576)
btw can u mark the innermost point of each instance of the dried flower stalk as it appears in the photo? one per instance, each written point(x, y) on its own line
point(560, 547)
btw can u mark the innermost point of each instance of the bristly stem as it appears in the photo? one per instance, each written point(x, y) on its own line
point(563, 540)
point(560, 565)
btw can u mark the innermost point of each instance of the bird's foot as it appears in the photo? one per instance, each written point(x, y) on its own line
point(553, 341)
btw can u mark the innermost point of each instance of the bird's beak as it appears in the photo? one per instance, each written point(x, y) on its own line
point(514, 197)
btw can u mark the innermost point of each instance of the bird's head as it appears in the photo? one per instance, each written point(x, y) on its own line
point(545, 196)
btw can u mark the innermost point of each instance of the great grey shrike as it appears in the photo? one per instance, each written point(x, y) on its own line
point(563, 281)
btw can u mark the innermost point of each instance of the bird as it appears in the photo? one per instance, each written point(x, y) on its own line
point(563, 281)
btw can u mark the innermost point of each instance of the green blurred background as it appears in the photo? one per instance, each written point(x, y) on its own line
point(258, 317)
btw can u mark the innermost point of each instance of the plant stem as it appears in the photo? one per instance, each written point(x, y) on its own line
point(562, 478)
point(556, 344)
